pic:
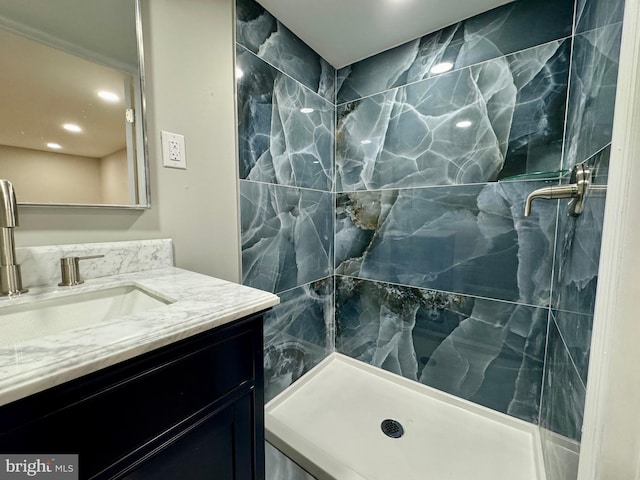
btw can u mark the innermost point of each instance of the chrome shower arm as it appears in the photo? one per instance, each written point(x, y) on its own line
point(577, 191)
point(550, 193)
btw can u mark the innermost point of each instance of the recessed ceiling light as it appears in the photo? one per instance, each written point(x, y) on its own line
point(72, 127)
point(441, 67)
point(55, 146)
point(239, 72)
point(307, 110)
point(108, 96)
point(365, 142)
point(464, 124)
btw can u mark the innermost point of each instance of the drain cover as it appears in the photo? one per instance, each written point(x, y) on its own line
point(392, 428)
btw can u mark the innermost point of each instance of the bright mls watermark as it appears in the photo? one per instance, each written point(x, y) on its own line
point(50, 467)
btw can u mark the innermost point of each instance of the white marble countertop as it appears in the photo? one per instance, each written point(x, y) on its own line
point(201, 303)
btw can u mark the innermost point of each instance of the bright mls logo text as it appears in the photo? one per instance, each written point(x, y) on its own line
point(29, 466)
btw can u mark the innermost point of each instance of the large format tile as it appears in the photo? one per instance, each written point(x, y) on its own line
point(279, 143)
point(563, 392)
point(471, 239)
point(490, 35)
point(576, 329)
point(578, 241)
point(478, 124)
point(286, 235)
point(486, 351)
point(260, 32)
point(594, 74)
point(298, 334)
point(592, 14)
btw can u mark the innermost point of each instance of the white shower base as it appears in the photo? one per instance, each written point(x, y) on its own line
point(329, 423)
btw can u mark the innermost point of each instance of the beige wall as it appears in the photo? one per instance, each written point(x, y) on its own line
point(190, 90)
point(69, 178)
point(114, 178)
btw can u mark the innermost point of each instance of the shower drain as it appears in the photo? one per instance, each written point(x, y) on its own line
point(392, 428)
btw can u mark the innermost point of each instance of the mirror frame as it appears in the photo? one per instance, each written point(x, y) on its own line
point(142, 153)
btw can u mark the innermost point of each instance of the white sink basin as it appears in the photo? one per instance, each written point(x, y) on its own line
point(54, 315)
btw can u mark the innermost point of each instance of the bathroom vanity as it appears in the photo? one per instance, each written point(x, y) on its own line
point(172, 391)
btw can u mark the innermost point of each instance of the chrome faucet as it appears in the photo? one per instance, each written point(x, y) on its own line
point(577, 190)
point(10, 276)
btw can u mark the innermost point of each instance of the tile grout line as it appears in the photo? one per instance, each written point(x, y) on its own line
point(447, 292)
point(257, 182)
point(544, 368)
point(591, 30)
point(473, 65)
point(302, 285)
point(566, 349)
point(334, 212)
point(285, 74)
point(567, 105)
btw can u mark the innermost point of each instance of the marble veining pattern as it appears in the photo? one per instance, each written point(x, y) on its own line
point(471, 239)
point(490, 35)
point(298, 334)
point(485, 351)
point(41, 265)
point(415, 211)
point(594, 75)
point(578, 241)
point(576, 331)
point(201, 303)
point(478, 124)
point(287, 236)
point(260, 32)
point(592, 14)
point(563, 392)
point(278, 142)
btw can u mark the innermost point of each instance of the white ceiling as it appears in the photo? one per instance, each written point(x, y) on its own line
point(43, 88)
point(345, 31)
point(55, 56)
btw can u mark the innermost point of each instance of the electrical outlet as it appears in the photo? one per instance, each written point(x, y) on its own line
point(173, 151)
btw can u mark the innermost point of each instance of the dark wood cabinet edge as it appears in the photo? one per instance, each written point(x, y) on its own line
point(155, 446)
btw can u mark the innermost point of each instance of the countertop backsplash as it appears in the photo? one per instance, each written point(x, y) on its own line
point(41, 265)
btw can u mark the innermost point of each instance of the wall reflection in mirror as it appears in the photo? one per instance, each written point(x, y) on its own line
point(71, 90)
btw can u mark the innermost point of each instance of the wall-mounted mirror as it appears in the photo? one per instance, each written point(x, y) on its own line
point(72, 102)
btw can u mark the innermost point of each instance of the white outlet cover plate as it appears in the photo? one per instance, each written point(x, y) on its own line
point(173, 151)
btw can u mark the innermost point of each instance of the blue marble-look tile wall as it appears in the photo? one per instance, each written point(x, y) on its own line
point(500, 118)
point(592, 91)
point(432, 172)
point(261, 33)
point(493, 34)
point(286, 124)
point(425, 198)
point(487, 351)
point(298, 334)
point(562, 409)
point(470, 239)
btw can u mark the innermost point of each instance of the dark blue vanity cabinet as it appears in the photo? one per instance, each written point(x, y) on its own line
point(192, 410)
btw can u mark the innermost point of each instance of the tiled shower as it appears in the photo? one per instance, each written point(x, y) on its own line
point(384, 202)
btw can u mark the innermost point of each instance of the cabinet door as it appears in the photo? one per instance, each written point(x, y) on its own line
point(216, 448)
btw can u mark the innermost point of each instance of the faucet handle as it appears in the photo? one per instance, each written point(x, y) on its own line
point(70, 269)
